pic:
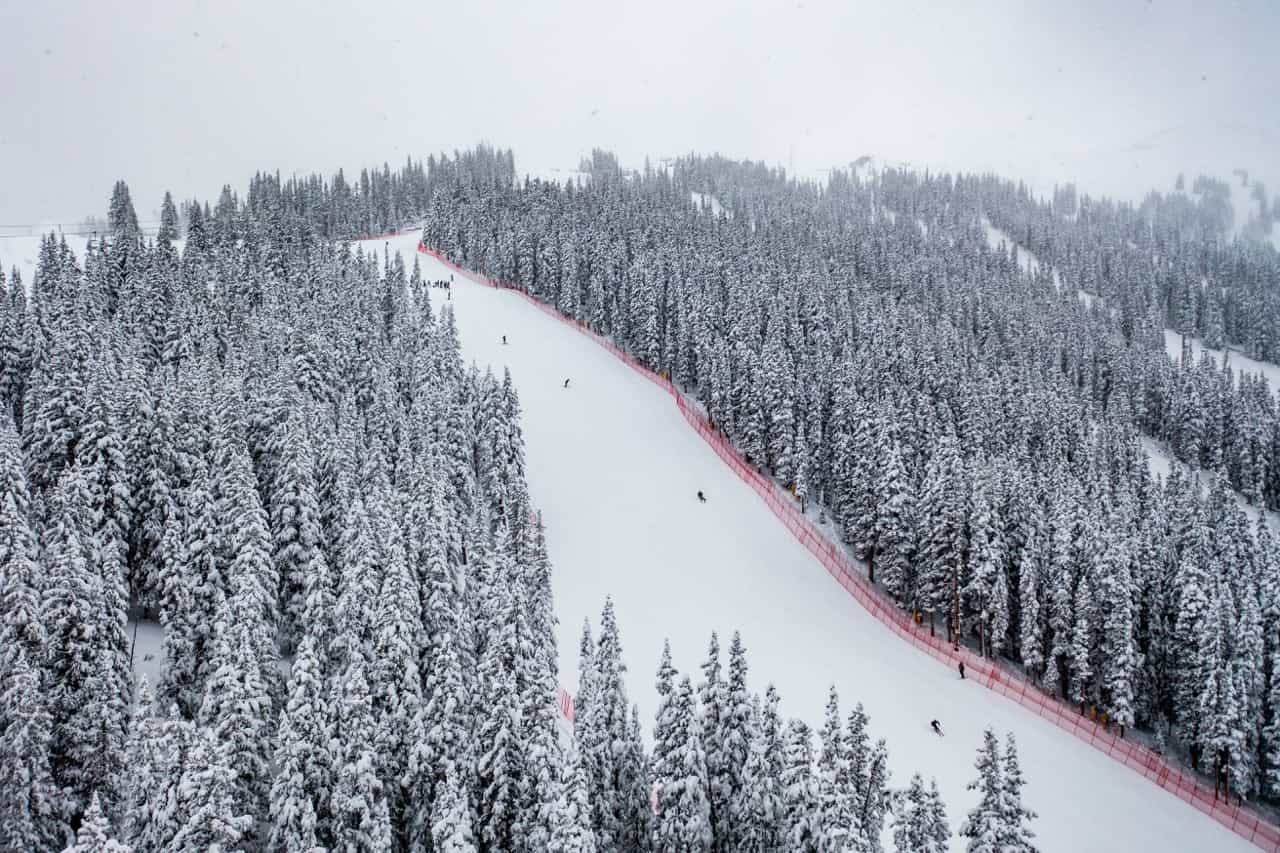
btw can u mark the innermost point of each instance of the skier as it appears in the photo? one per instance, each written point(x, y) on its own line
point(701, 497)
point(962, 670)
point(566, 383)
point(937, 729)
point(504, 343)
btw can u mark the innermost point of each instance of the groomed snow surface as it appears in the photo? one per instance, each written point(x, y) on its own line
point(1240, 363)
point(615, 470)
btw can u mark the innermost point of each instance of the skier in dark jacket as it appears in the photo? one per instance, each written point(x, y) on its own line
point(961, 670)
point(701, 497)
point(566, 383)
point(937, 728)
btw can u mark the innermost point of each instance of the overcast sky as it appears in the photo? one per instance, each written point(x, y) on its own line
point(187, 96)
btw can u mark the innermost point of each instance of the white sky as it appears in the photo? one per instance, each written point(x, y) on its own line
point(187, 95)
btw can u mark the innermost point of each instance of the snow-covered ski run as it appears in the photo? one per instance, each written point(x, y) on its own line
point(615, 469)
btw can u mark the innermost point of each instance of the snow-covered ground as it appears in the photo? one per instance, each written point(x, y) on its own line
point(1239, 361)
point(146, 638)
point(704, 200)
point(614, 468)
point(1160, 462)
point(1027, 262)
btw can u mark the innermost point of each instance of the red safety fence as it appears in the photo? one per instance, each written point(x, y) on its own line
point(564, 702)
point(1004, 681)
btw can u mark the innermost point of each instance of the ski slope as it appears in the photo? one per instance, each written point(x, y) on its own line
point(1240, 362)
point(614, 468)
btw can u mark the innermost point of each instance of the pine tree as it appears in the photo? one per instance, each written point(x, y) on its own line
point(734, 741)
point(571, 820)
point(295, 529)
point(244, 549)
point(451, 819)
point(634, 777)
point(986, 826)
point(941, 513)
point(801, 826)
point(193, 591)
point(236, 710)
point(361, 820)
point(583, 699)
point(95, 833)
point(896, 532)
point(441, 744)
point(603, 725)
point(209, 793)
point(937, 829)
point(680, 772)
point(757, 815)
point(121, 218)
point(359, 585)
point(1017, 834)
point(499, 760)
point(155, 489)
point(168, 221)
point(90, 717)
point(986, 592)
point(868, 768)
point(838, 817)
point(1119, 657)
point(20, 624)
point(397, 683)
point(27, 818)
point(712, 700)
point(100, 454)
point(158, 749)
point(27, 796)
point(1031, 579)
point(920, 823)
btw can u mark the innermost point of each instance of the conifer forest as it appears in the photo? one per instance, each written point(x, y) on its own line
point(257, 434)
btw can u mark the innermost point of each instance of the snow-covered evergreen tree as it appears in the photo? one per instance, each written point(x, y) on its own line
point(451, 819)
point(800, 816)
point(1017, 832)
point(757, 814)
point(683, 820)
point(571, 820)
point(302, 787)
point(212, 819)
point(603, 725)
point(95, 833)
point(237, 712)
point(987, 826)
point(28, 820)
point(920, 822)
